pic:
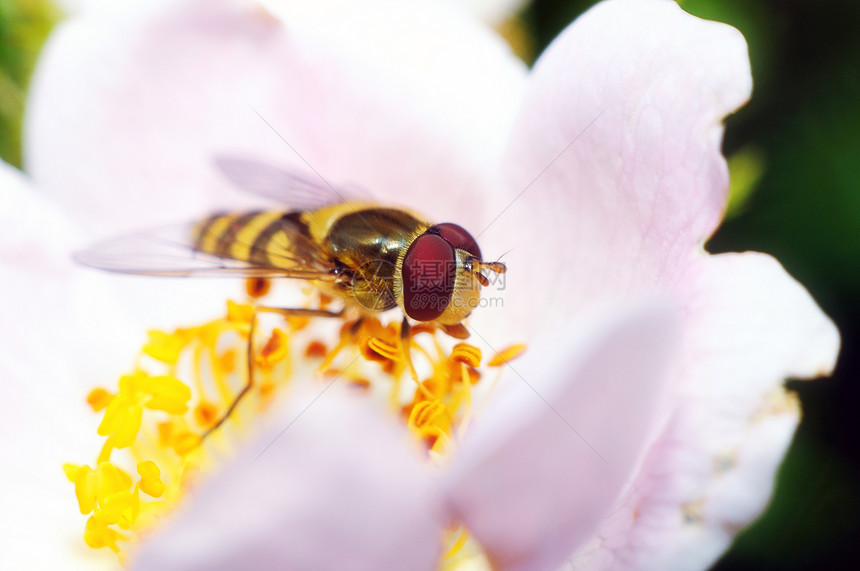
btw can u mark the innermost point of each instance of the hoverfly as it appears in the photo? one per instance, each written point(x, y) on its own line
point(372, 257)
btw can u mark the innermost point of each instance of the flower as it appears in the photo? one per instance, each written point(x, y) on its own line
point(45, 294)
point(638, 436)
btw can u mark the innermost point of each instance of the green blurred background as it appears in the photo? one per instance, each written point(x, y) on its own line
point(795, 158)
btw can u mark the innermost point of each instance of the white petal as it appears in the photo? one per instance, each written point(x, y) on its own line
point(748, 327)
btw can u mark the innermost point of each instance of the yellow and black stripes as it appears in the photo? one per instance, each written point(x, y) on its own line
point(264, 238)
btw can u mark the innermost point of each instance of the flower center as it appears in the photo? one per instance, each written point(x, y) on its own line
point(158, 422)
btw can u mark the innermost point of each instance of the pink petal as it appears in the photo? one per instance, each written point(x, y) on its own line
point(127, 109)
point(617, 154)
point(43, 418)
point(62, 334)
point(548, 458)
point(40, 326)
point(335, 486)
point(748, 327)
point(97, 320)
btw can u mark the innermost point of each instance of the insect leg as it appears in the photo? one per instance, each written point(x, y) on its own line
point(299, 312)
point(286, 312)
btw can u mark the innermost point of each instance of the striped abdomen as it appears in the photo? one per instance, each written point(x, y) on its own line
point(265, 238)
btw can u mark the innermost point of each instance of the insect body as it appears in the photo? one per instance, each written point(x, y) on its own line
point(373, 257)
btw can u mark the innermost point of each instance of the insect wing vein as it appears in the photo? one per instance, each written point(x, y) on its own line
point(169, 252)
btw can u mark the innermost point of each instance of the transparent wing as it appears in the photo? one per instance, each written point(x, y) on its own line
point(297, 191)
point(168, 252)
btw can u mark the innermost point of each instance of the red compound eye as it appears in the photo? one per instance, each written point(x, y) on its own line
point(429, 270)
point(458, 237)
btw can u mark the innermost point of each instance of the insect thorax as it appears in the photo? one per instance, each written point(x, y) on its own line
point(369, 242)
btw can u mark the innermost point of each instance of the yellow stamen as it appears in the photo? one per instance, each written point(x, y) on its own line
point(110, 479)
point(185, 442)
point(257, 287)
point(267, 389)
point(98, 399)
point(316, 350)
point(466, 383)
point(186, 379)
point(298, 322)
point(274, 351)
point(465, 353)
point(165, 433)
point(71, 471)
point(85, 489)
point(507, 355)
point(227, 361)
point(455, 548)
point(113, 508)
point(241, 314)
point(121, 421)
point(98, 534)
point(150, 478)
point(206, 414)
point(379, 349)
point(165, 393)
point(163, 346)
point(424, 413)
